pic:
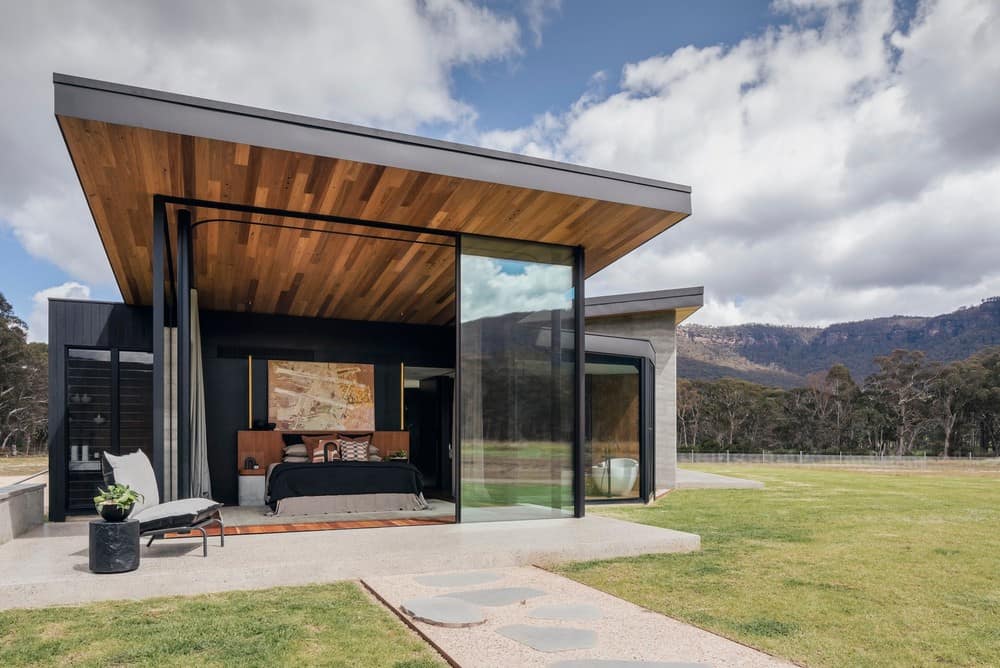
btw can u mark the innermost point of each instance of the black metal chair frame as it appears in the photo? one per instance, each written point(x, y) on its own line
point(200, 527)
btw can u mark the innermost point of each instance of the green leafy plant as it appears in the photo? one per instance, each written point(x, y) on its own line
point(399, 454)
point(117, 495)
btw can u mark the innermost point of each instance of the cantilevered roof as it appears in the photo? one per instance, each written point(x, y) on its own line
point(683, 301)
point(129, 144)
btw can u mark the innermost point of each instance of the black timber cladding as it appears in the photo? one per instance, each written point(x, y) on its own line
point(74, 324)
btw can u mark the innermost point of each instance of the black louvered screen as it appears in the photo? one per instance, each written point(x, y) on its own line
point(88, 414)
point(135, 402)
point(109, 407)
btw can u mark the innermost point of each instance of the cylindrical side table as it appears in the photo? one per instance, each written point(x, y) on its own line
point(114, 546)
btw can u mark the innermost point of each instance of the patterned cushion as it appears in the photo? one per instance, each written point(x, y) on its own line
point(357, 438)
point(351, 451)
point(325, 451)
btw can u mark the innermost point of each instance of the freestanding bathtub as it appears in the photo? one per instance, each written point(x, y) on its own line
point(624, 472)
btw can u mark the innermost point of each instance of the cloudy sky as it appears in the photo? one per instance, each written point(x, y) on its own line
point(845, 157)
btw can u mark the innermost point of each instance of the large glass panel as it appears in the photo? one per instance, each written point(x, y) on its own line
point(518, 368)
point(612, 452)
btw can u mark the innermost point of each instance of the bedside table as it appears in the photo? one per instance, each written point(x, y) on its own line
point(251, 487)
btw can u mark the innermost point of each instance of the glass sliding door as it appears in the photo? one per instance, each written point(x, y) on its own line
point(613, 450)
point(517, 362)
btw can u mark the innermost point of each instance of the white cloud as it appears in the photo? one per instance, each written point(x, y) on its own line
point(38, 320)
point(538, 13)
point(843, 165)
point(379, 62)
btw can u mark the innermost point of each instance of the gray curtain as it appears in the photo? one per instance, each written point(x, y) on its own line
point(201, 484)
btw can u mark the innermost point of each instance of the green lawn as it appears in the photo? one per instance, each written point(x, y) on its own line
point(329, 625)
point(829, 568)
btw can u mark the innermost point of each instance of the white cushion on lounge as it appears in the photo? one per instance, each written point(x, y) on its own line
point(135, 471)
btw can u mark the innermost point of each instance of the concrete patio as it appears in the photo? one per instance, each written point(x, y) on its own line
point(692, 479)
point(48, 565)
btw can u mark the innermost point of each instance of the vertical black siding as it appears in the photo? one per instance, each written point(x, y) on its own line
point(83, 325)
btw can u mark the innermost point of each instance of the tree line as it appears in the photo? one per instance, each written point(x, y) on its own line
point(910, 405)
point(24, 392)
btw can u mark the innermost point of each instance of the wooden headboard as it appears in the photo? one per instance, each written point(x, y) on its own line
point(265, 446)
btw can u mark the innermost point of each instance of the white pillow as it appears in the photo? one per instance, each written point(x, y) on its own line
point(135, 471)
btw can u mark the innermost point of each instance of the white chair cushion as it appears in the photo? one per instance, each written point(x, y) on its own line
point(135, 471)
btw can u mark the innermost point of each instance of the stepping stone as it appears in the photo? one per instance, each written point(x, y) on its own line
point(616, 663)
point(550, 639)
point(567, 613)
point(447, 612)
point(495, 597)
point(457, 579)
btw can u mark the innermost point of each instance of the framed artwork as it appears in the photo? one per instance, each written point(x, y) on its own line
point(321, 396)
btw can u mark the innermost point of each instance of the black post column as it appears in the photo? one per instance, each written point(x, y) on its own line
point(580, 431)
point(159, 375)
point(184, 262)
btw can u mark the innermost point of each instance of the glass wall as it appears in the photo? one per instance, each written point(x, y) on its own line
point(517, 365)
point(612, 455)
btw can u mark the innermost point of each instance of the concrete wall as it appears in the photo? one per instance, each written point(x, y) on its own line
point(21, 508)
point(659, 329)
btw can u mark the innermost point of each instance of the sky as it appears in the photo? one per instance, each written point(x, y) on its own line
point(844, 156)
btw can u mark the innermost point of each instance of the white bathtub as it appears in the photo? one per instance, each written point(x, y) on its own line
point(624, 473)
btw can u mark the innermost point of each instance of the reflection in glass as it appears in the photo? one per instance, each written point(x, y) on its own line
point(611, 452)
point(518, 366)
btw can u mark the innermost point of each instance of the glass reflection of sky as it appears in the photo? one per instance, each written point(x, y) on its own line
point(493, 287)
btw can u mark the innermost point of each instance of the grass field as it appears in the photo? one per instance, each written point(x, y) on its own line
point(16, 466)
point(829, 567)
point(328, 625)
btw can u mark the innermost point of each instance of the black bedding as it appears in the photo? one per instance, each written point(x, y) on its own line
point(336, 478)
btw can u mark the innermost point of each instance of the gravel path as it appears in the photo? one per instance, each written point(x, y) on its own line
point(624, 632)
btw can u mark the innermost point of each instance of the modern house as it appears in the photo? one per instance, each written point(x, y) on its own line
point(287, 279)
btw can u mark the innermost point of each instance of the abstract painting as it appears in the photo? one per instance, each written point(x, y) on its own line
point(320, 396)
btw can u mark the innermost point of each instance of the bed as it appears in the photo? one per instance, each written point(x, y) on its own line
point(344, 487)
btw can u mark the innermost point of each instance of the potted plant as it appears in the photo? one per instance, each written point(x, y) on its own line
point(399, 455)
point(116, 502)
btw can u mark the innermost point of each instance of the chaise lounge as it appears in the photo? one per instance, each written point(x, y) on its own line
point(158, 519)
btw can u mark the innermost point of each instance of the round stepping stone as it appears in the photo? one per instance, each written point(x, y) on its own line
point(569, 612)
point(495, 597)
point(622, 663)
point(448, 612)
point(457, 579)
point(550, 639)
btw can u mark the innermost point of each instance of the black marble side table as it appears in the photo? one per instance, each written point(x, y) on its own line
point(114, 546)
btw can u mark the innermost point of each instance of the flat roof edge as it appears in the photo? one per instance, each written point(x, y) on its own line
point(134, 106)
point(605, 306)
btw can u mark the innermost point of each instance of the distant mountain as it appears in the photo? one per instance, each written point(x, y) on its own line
point(783, 356)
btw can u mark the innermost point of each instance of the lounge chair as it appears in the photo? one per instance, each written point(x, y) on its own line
point(158, 519)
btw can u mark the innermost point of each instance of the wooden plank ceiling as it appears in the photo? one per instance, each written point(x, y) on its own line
point(240, 267)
